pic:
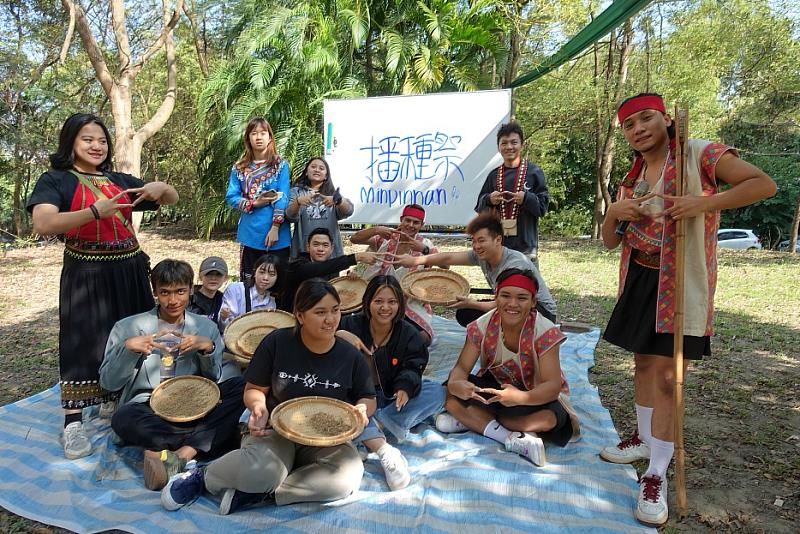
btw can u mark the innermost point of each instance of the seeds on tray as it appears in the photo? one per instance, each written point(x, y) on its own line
point(326, 424)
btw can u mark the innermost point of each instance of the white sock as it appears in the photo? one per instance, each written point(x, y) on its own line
point(496, 431)
point(383, 449)
point(660, 456)
point(644, 419)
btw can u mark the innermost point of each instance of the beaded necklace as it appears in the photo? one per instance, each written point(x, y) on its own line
point(511, 209)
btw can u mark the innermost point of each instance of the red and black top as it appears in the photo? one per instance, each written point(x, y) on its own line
point(98, 238)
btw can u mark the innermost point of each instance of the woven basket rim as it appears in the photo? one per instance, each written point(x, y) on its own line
point(316, 441)
point(158, 393)
point(254, 319)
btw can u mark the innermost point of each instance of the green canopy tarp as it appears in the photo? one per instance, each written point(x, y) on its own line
point(618, 12)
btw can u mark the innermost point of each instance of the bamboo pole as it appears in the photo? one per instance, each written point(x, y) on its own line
point(681, 117)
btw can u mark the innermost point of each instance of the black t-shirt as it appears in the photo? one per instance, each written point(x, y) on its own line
point(283, 364)
point(57, 187)
point(202, 305)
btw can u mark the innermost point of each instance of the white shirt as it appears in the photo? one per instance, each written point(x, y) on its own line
point(234, 300)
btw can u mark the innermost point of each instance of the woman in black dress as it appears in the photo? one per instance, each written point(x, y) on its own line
point(105, 273)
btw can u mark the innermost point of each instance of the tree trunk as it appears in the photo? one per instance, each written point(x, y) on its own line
point(128, 140)
point(795, 228)
point(199, 43)
point(606, 156)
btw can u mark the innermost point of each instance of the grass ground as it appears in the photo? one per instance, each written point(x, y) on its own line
point(742, 434)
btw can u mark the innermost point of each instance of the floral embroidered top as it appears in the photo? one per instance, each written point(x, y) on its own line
point(73, 191)
point(243, 189)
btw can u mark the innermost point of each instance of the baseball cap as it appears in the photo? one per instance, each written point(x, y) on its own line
point(213, 263)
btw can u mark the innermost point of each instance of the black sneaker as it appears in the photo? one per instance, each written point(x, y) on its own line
point(233, 500)
point(183, 489)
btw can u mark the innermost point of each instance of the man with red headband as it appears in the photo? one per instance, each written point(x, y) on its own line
point(404, 239)
point(642, 321)
point(519, 396)
point(516, 192)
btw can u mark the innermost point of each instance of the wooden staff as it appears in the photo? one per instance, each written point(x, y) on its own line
point(681, 119)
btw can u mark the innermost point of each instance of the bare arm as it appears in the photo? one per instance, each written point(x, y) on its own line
point(550, 386)
point(440, 259)
point(366, 235)
point(749, 184)
point(47, 220)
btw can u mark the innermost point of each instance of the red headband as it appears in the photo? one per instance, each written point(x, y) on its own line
point(639, 103)
point(520, 281)
point(411, 211)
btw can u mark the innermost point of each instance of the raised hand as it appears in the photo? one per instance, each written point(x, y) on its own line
point(150, 191)
point(629, 209)
point(145, 344)
point(106, 207)
point(191, 343)
point(685, 207)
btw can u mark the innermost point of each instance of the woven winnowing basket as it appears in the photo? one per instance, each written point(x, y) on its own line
point(351, 291)
point(184, 398)
point(250, 328)
point(435, 286)
point(295, 420)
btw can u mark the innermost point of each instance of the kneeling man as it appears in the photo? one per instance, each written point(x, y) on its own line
point(146, 349)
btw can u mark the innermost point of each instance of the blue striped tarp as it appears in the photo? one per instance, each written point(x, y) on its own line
point(461, 483)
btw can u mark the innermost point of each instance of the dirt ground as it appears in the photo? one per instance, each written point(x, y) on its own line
point(743, 403)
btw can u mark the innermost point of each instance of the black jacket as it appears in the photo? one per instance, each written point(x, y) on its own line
point(302, 268)
point(400, 362)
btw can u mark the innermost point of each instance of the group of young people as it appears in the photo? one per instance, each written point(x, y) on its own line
point(112, 339)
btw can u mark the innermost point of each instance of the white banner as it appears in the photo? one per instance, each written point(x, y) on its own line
point(434, 150)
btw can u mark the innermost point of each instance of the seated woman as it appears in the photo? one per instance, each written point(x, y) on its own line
point(260, 292)
point(519, 395)
point(398, 356)
point(138, 356)
point(268, 466)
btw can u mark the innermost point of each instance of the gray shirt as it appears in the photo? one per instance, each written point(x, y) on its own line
point(316, 215)
point(138, 374)
point(513, 259)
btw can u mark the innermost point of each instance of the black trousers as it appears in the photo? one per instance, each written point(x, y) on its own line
point(214, 434)
point(464, 316)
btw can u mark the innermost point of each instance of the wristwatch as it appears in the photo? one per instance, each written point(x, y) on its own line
point(426, 250)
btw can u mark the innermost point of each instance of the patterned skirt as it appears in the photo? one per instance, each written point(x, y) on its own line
point(93, 296)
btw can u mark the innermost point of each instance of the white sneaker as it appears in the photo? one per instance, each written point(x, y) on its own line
point(448, 424)
point(527, 444)
point(107, 409)
point(395, 467)
point(651, 508)
point(626, 451)
point(76, 443)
